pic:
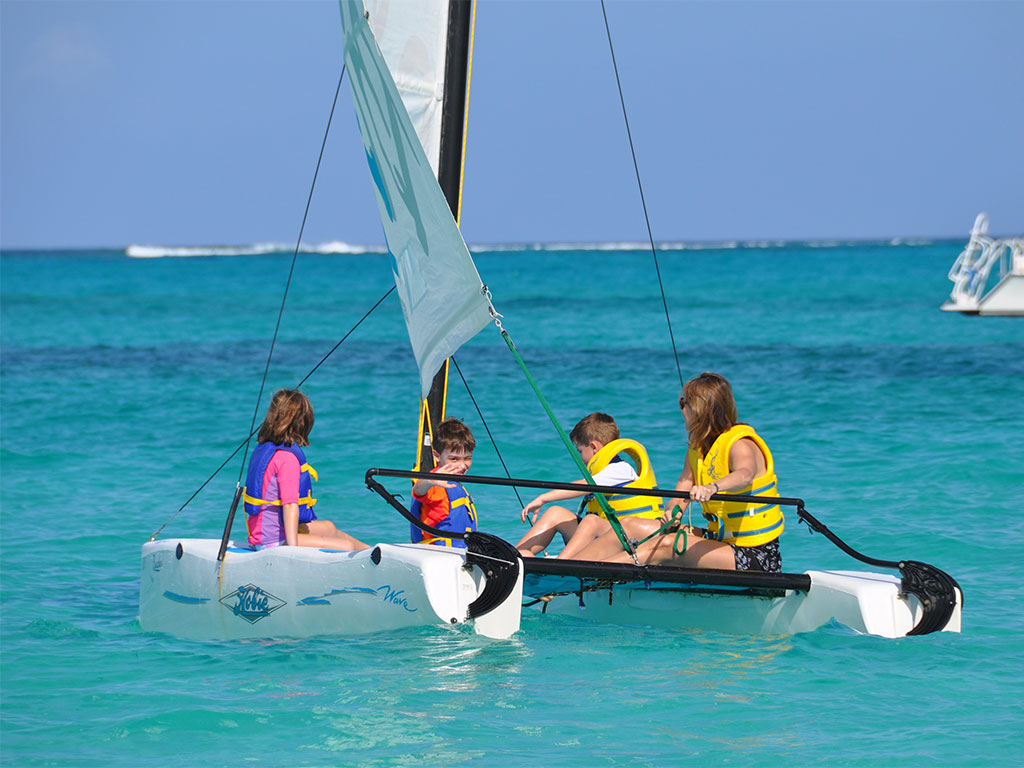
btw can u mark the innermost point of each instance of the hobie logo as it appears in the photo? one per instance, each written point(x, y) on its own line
point(251, 603)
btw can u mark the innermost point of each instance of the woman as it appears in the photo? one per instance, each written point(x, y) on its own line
point(279, 486)
point(723, 456)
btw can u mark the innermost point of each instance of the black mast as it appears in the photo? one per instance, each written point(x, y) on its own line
point(449, 176)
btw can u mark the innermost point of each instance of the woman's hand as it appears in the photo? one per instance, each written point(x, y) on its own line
point(703, 492)
point(674, 510)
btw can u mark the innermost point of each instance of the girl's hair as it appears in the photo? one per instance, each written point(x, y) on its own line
point(597, 426)
point(713, 407)
point(455, 436)
point(289, 419)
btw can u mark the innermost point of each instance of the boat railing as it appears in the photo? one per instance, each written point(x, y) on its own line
point(971, 270)
point(1014, 256)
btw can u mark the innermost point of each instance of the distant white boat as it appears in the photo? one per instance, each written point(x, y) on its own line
point(970, 273)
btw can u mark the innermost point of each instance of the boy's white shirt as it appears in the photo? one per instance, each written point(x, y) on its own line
point(616, 473)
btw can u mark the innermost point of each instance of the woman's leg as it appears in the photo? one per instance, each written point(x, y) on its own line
point(698, 553)
point(607, 546)
point(661, 550)
point(554, 520)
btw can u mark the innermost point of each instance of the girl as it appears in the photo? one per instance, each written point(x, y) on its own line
point(278, 487)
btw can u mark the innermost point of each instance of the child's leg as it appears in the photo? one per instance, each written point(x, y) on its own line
point(590, 528)
point(339, 541)
point(554, 520)
point(325, 534)
point(319, 528)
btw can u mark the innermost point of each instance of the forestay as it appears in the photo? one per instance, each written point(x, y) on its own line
point(443, 299)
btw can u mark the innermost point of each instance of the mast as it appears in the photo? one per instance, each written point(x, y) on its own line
point(449, 177)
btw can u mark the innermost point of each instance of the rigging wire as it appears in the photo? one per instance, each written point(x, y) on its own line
point(253, 430)
point(609, 514)
point(273, 341)
point(640, 186)
point(487, 428)
point(291, 272)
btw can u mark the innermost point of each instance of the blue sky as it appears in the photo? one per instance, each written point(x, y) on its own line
point(189, 123)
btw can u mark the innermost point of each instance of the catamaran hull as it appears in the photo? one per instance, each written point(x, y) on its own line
point(300, 591)
point(1006, 299)
point(869, 603)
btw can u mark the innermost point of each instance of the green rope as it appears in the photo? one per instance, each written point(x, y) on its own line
point(601, 500)
point(675, 542)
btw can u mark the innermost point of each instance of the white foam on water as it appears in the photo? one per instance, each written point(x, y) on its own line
point(254, 249)
point(342, 247)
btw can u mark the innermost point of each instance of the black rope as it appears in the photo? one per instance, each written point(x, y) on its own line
point(489, 435)
point(291, 271)
point(324, 358)
point(640, 186)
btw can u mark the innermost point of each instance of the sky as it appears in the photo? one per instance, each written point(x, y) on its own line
point(200, 123)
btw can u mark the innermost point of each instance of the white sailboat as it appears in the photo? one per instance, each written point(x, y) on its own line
point(970, 274)
point(204, 589)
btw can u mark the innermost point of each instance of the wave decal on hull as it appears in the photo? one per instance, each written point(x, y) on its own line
point(385, 592)
point(184, 598)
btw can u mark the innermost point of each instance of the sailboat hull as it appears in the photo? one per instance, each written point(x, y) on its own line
point(301, 591)
point(869, 603)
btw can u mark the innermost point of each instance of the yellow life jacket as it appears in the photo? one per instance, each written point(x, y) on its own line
point(622, 504)
point(742, 524)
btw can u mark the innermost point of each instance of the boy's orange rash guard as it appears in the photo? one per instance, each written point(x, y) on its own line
point(435, 505)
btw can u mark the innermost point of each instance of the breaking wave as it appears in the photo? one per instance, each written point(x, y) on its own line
point(341, 247)
point(255, 249)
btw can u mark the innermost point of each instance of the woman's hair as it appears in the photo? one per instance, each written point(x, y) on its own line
point(713, 407)
point(455, 436)
point(289, 419)
point(599, 427)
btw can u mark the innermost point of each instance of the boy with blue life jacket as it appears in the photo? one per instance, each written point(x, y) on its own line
point(440, 504)
point(596, 437)
point(278, 491)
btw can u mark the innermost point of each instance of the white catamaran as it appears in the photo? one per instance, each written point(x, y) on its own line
point(407, 67)
point(971, 270)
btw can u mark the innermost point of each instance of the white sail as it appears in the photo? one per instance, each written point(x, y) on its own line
point(441, 292)
point(412, 36)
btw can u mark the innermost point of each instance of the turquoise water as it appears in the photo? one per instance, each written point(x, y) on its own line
point(126, 382)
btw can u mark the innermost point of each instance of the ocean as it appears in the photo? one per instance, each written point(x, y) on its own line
point(126, 382)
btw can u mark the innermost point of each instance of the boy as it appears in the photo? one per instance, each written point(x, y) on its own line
point(440, 504)
point(596, 437)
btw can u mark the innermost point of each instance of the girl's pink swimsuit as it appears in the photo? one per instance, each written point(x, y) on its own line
point(280, 483)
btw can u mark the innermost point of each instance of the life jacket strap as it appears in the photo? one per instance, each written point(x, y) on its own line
point(721, 534)
point(307, 501)
point(438, 540)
